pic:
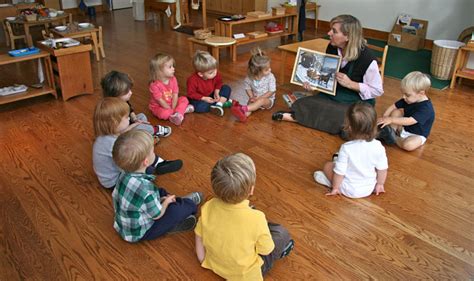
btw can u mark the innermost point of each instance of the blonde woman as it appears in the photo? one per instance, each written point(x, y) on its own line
point(358, 79)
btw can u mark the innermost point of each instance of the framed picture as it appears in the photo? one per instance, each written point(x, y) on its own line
point(318, 69)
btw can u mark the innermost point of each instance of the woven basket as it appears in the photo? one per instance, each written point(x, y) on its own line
point(202, 34)
point(31, 17)
point(443, 57)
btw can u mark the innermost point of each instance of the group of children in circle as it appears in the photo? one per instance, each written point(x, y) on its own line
point(124, 160)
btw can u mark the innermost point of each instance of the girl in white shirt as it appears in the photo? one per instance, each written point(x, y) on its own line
point(360, 168)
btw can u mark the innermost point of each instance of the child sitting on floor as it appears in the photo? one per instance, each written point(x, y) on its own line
point(232, 239)
point(165, 102)
point(260, 85)
point(360, 168)
point(408, 122)
point(111, 118)
point(118, 84)
point(144, 211)
point(205, 89)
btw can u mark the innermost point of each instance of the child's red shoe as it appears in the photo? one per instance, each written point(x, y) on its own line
point(238, 111)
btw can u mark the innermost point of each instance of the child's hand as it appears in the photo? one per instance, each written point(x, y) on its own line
point(379, 188)
point(253, 99)
point(334, 191)
point(384, 121)
point(217, 97)
point(307, 86)
point(168, 199)
point(208, 99)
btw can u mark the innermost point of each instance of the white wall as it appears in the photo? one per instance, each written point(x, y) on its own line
point(447, 19)
point(69, 4)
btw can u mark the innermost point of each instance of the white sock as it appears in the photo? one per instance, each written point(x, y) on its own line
point(219, 104)
point(321, 178)
point(160, 160)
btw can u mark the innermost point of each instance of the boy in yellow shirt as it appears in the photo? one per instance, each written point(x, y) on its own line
point(232, 239)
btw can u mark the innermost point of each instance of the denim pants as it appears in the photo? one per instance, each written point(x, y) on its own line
point(202, 106)
point(175, 213)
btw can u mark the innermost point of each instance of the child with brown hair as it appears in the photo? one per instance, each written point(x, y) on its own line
point(144, 211)
point(205, 88)
point(118, 84)
point(260, 86)
point(360, 167)
point(112, 118)
point(232, 239)
point(165, 102)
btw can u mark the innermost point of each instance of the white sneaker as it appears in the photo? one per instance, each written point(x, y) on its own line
point(189, 109)
point(217, 110)
point(321, 178)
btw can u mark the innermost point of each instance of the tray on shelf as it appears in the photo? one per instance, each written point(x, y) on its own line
point(24, 52)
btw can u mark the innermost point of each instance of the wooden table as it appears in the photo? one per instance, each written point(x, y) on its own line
point(73, 70)
point(213, 49)
point(225, 28)
point(48, 87)
point(319, 45)
point(40, 21)
point(74, 31)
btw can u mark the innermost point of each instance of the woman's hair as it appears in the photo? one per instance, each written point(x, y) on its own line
point(361, 122)
point(258, 62)
point(107, 115)
point(351, 27)
point(131, 149)
point(203, 61)
point(115, 84)
point(156, 65)
point(416, 81)
point(233, 177)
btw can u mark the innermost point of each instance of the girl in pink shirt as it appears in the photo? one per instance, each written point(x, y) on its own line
point(165, 102)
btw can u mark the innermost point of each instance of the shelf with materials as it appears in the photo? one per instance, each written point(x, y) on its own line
point(460, 70)
point(48, 87)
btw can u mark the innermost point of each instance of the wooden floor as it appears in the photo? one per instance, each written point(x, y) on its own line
point(56, 221)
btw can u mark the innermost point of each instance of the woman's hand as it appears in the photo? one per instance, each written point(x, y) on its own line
point(344, 80)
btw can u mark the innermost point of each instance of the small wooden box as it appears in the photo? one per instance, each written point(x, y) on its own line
point(258, 14)
point(290, 9)
point(278, 11)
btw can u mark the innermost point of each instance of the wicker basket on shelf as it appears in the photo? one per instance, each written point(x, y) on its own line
point(202, 34)
point(31, 17)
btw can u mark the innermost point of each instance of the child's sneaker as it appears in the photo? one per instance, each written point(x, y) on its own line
point(189, 109)
point(162, 131)
point(165, 167)
point(321, 178)
point(187, 224)
point(227, 104)
point(176, 118)
point(288, 249)
point(217, 110)
point(197, 197)
point(238, 111)
point(387, 135)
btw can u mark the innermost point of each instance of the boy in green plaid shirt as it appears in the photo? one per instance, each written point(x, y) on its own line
point(144, 211)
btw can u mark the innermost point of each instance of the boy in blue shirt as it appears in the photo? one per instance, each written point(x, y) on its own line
point(408, 122)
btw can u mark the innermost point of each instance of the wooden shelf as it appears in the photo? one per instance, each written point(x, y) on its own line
point(269, 37)
point(460, 70)
point(30, 93)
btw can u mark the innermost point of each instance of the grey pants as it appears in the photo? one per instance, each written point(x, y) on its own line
point(147, 127)
point(281, 238)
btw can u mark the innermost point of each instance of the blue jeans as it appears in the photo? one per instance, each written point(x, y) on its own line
point(175, 213)
point(202, 106)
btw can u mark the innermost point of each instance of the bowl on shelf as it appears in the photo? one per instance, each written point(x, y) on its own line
point(61, 28)
point(52, 14)
point(84, 25)
point(60, 13)
point(10, 18)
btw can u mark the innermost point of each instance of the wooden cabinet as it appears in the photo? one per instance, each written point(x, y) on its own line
point(232, 7)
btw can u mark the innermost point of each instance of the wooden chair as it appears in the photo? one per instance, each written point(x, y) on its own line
point(381, 55)
point(11, 36)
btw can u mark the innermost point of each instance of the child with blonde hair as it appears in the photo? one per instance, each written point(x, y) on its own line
point(112, 118)
point(165, 102)
point(118, 84)
point(260, 85)
point(144, 211)
point(408, 122)
point(234, 240)
point(360, 167)
point(205, 88)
